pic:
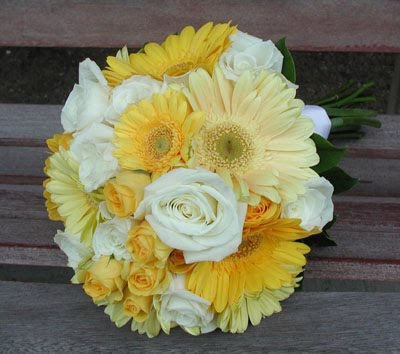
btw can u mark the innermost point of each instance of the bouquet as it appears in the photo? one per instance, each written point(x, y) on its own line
point(188, 177)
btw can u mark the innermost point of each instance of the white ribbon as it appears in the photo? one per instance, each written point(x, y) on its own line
point(320, 118)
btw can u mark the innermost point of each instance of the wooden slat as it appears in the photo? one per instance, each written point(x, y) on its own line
point(337, 25)
point(374, 159)
point(59, 318)
point(367, 230)
point(353, 269)
point(28, 125)
point(380, 143)
point(379, 177)
point(367, 233)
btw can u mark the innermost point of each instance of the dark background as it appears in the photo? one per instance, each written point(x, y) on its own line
point(47, 75)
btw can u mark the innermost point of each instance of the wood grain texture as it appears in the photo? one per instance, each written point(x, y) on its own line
point(61, 318)
point(353, 269)
point(378, 177)
point(35, 232)
point(22, 201)
point(380, 143)
point(308, 25)
point(36, 123)
point(366, 251)
point(24, 123)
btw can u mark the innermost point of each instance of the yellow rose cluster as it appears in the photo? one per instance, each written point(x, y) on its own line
point(185, 180)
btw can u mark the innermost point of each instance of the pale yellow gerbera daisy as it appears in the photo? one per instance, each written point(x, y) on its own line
point(77, 208)
point(254, 135)
point(178, 54)
point(156, 137)
point(54, 144)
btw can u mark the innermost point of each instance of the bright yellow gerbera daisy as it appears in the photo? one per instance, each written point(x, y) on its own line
point(268, 258)
point(178, 54)
point(156, 136)
point(254, 307)
point(254, 135)
point(76, 207)
point(259, 263)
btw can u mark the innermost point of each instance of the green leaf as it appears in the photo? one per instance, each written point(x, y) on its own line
point(329, 155)
point(330, 223)
point(321, 240)
point(288, 68)
point(340, 180)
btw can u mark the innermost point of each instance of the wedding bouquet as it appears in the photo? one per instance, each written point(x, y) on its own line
point(187, 177)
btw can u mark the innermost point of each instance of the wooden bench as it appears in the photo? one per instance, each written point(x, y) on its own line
point(44, 317)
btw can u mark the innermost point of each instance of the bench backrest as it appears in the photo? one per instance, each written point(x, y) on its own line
point(312, 25)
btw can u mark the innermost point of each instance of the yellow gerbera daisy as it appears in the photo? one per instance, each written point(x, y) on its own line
point(259, 263)
point(254, 135)
point(254, 307)
point(178, 54)
point(119, 68)
point(268, 257)
point(156, 136)
point(76, 207)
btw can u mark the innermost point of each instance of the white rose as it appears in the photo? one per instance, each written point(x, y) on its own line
point(184, 308)
point(76, 251)
point(93, 149)
point(320, 119)
point(249, 53)
point(194, 211)
point(131, 91)
point(110, 238)
point(88, 101)
point(314, 207)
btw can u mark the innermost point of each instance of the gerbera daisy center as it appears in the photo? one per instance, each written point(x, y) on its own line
point(180, 68)
point(159, 141)
point(247, 247)
point(228, 145)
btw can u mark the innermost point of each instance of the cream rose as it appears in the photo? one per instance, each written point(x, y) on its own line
point(76, 251)
point(110, 237)
point(249, 53)
point(93, 150)
point(314, 207)
point(184, 308)
point(88, 102)
point(131, 91)
point(194, 211)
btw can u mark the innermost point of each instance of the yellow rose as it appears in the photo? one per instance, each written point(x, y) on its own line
point(264, 213)
point(145, 246)
point(137, 307)
point(176, 263)
point(124, 192)
point(146, 279)
point(103, 280)
point(59, 140)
